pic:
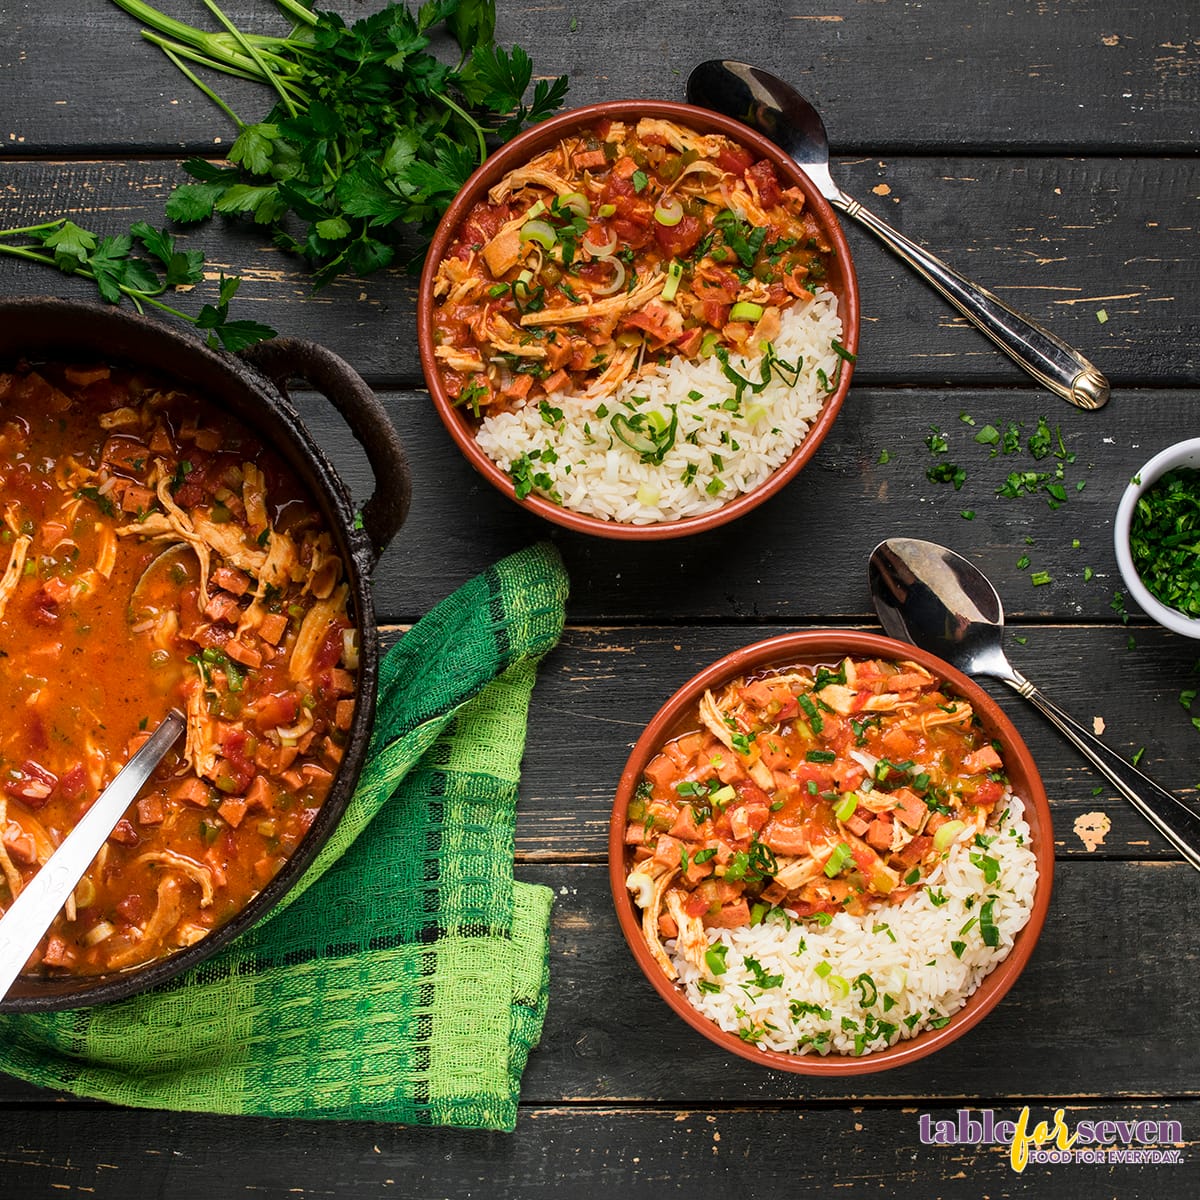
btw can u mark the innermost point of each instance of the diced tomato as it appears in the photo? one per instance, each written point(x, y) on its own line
point(750, 793)
point(763, 177)
point(43, 609)
point(734, 159)
point(276, 709)
point(679, 239)
point(988, 792)
point(73, 782)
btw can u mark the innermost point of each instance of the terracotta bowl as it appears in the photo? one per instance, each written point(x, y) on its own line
point(829, 646)
point(841, 279)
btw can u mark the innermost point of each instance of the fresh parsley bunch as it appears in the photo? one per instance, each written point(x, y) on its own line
point(143, 265)
point(370, 133)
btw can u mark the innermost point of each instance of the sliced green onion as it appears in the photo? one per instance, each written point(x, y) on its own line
point(745, 310)
point(714, 958)
point(596, 249)
point(669, 211)
point(577, 202)
point(674, 275)
point(945, 834)
point(538, 231)
point(841, 855)
point(606, 210)
point(846, 806)
point(987, 925)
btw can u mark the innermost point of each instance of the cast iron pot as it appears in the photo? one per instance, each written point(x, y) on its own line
point(252, 387)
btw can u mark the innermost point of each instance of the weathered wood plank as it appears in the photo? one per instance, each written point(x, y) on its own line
point(1060, 239)
point(801, 557)
point(1111, 76)
point(635, 1153)
point(1065, 1029)
point(598, 689)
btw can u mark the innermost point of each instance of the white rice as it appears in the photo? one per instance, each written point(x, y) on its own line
point(720, 451)
point(861, 983)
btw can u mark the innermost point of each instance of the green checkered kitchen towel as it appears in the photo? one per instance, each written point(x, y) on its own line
point(405, 976)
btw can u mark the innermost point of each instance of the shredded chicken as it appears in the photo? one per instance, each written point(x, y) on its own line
point(12, 573)
point(691, 941)
point(625, 302)
point(313, 629)
point(660, 880)
point(189, 867)
point(167, 911)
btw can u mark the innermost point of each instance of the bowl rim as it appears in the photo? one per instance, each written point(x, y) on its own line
point(536, 138)
point(807, 645)
point(1185, 453)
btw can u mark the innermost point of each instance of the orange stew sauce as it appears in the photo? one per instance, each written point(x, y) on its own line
point(155, 555)
point(619, 248)
point(817, 789)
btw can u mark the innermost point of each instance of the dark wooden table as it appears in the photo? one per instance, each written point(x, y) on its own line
point(1048, 150)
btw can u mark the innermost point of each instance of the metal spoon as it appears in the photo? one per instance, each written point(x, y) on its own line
point(766, 103)
point(936, 599)
point(28, 917)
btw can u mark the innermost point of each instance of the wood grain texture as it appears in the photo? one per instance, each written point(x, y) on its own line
point(800, 559)
point(1046, 150)
point(636, 1153)
point(600, 687)
point(1060, 239)
point(1109, 75)
point(610, 1039)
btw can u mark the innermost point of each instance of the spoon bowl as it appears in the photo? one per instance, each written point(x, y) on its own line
point(774, 108)
point(934, 598)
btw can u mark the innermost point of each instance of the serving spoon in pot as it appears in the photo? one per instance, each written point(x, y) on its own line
point(936, 599)
point(28, 917)
point(775, 109)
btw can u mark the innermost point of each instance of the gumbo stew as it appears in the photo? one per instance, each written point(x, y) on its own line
point(816, 790)
point(156, 555)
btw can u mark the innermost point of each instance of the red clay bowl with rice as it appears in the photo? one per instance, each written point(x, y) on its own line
point(649, 502)
point(938, 915)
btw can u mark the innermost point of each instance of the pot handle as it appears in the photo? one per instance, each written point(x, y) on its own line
point(284, 358)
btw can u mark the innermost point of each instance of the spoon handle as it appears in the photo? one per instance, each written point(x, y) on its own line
point(1167, 813)
point(24, 924)
point(1047, 358)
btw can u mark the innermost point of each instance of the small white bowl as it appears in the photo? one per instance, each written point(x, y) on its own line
point(1181, 454)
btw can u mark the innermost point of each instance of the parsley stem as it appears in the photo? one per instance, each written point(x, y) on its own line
point(251, 50)
point(470, 121)
point(203, 87)
point(298, 11)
